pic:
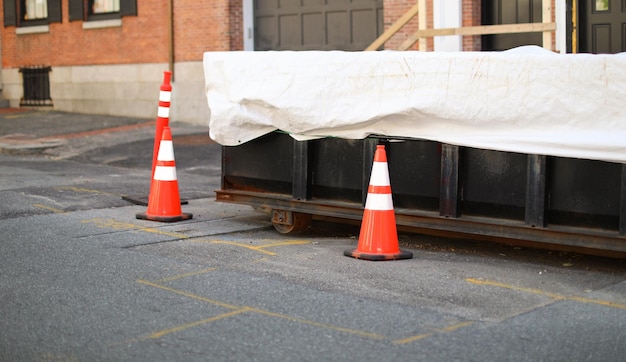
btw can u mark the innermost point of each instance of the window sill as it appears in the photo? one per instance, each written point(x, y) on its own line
point(100, 24)
point(38, 29)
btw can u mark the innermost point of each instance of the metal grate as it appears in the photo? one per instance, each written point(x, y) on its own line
point(36, 86)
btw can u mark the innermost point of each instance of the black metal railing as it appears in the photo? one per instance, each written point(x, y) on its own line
point(36, 81)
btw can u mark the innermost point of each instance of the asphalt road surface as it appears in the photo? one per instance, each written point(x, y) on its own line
point(82, 279)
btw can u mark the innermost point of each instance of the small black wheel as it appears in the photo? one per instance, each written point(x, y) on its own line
point(286, 222)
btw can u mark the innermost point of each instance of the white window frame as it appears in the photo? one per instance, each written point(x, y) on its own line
point(248, 25)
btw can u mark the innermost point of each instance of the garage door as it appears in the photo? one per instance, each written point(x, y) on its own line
point(317, 24)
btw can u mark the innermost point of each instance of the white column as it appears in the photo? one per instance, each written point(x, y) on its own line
point(561, 36)
point(448, 14)
point(248, 24)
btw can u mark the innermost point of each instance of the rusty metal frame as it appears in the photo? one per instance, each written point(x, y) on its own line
point(432, 222)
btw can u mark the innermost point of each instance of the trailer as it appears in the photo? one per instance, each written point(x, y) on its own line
point(549, 171)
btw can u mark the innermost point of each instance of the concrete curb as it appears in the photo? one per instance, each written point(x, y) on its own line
point(22, 144)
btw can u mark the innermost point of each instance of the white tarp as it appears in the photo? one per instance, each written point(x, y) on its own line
point(525, 100)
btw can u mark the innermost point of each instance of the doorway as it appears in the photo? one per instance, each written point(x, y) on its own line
point(602, 26)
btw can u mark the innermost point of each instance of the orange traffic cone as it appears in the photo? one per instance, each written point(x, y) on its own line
point(163, 114)
point(163, 119)
point(164, 200)
point(378, 239)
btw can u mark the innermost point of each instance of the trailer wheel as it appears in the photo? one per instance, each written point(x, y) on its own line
point(286, 222)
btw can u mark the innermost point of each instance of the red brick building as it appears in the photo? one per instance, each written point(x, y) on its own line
point(107, 56)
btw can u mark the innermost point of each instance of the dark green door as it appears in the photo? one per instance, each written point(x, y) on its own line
point(496, 12)
point(602, 26)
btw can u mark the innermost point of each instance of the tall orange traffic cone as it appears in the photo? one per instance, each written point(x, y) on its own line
point(163, 114)
point(162, 120)
point(378, 239)
point(164, 200)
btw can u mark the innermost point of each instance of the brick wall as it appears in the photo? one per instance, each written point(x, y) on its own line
point(199, 26)
point(202, 26)
point(394, 9)
point(235, 16)
point(471, 17)
point(67, 43)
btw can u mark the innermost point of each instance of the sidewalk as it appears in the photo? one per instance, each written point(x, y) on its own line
point(64, 135)
point(28, 131)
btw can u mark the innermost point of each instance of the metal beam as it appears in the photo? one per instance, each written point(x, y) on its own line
point(536, 191)
point(449, 195)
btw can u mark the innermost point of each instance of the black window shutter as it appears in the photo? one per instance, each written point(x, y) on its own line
point(76, 10)
point(54, 11)
point(128, 7)
point(10, 17)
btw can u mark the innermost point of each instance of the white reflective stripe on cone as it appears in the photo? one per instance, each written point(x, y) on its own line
point(165, 96)
point(164, 112)
point(380, 174)
point(165, 173)
point(379, 202)
point(166, 151)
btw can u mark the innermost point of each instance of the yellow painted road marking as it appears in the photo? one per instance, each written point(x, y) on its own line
point(240, 309)
point(85, 190)
point(546, 293)
point(164, 332)
point(259, 248)
point(56, 356)
point(412, 339)
point(251, 247)
point(449, 329)
point(188, 295)
point(284, 243)
point(605, 303)
point(55, 210)
point(317, 324)
point(453, 328)
point(181, 276)
point(119, 225)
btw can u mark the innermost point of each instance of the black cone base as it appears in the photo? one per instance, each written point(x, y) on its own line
point(378, 257)
point(181, 217)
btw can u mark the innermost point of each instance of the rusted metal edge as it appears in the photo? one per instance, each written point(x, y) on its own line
point(478, 226)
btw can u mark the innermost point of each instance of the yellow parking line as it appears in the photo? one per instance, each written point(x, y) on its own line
point(84, 190)
point(188, 295)
point(259, 248)
point(546, 293)
point(605, 303)
point(284, 243)
point(412, 339)
point(240, 309)
point(317, 324)
point(185, 275)
point(251, 247)
point(167, 331)
point(119, 225)
point(449, 329)
point(453, 328)
point(54, 210)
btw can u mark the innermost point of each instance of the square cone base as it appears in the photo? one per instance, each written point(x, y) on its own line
point(378, 257)
point(181, 217)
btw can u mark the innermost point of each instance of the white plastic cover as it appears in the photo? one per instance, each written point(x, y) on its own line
point(525, 100)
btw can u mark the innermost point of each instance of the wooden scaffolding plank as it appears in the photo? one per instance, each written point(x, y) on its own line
point(387, 34)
